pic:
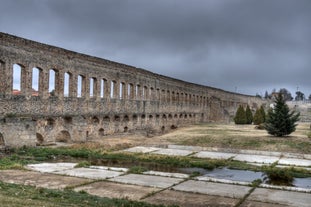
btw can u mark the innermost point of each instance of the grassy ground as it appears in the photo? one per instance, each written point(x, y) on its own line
point(241, 137)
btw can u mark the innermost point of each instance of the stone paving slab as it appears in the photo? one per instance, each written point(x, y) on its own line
point(286, 198)
point(260, 204)
point(296, 162)
point(214, 155)
point(216, 189)
point(185, 147)
point(51, 167)
point(166, 174)
point(173, 152)
point(117, 190)
point(141, 149)
point(90, 173)
point(118, 169)
point(185, 199)
point(147, 180)
point(256, 158)
point(38, 179)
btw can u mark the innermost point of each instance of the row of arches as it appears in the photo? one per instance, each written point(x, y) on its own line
point(54, 82)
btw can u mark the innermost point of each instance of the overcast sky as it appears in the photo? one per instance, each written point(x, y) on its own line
point(248, 46)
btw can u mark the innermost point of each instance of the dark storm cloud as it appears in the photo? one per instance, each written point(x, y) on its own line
point(248, 45)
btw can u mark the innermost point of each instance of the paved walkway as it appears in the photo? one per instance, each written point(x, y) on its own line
point(167, 188)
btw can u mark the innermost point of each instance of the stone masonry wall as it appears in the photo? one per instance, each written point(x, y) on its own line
point(93, 97)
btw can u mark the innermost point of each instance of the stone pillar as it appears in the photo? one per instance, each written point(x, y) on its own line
point(44, 84)
point(8, 77)
point(26, 81)
point(73, 89)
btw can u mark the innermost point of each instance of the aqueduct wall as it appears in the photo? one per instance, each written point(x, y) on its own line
point(71, 97)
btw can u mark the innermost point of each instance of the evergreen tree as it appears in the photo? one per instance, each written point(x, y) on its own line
point(280, 121)
point(260, 116)
point(249, 115)
point(240, 116)
point(263, 114)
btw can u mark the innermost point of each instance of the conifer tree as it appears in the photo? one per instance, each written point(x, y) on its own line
point(240, 116)
point(260, 116)
point(280, 120)
point(249, 115)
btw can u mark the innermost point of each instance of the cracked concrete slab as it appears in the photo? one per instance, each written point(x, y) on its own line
point(173, 152)
point(43, 180)
point(296, 162)
point(141, 149)
point(256, 158)
point(51, 167)
point(216, 189)
point(214, 155)
point(117, 190)
point(185, 199)
point(147, 180)
point(118, 169)
point(285, 198)
point(90, 173)
point(185, 147)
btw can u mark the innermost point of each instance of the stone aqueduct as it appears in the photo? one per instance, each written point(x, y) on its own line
point(80, 97)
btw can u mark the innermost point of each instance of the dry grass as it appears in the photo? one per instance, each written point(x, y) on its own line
point(211, 135)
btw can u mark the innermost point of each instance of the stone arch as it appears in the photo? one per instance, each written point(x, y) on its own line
point(173, 126)
point(170, 116)
point(106, 119)
point(126, 118)
point(175, 116)
point(101, 132)
point(143, 116)
point(162, 129)
point(134, 118)
point(63, 136)
point(39, 138)
point(67, 119)
point(117, 118)
point(95, 120)
point(150, 117)
point(36, 84)
point(2, 142)
point(50, 122)
point(126, 129)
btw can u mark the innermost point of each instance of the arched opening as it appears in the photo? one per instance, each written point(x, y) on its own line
point(117, 118)
point(80, 86)
point(150, 117)
point(130, 91)
point(35, 81)
point(103, 87)
point(50, 122)
point(95, 120)
point(1, 140)
point(122, 90)
point(164, 116)
point(106, 119)
point(63, 136)
point(17, 76)
point(126, 118)
point(180, 115)
point(170, 116)
point(39, 139)
point(52, 82)
point(173, 127)
point(93, 87)
point(113, 93)
point(175, 116)
point(101, 132)
point(67, 77)
point(125, 129)
point(162, 129)
point(68, 119)
point(134, 118)
point(143, 116)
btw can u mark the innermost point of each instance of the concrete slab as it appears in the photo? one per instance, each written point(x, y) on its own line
point(118, 169)
point(216, 189)
point(219, 180)
point(185, 199)
point(296, 162)
point(259, 204)
point(286, 198)
point(141, 149)
point(166, 174)
point(117, 190)
point(90, 173)
point(256, 158)
point(173, 152)
point(185, 147)
point(51, 167)
point(38, 179)
point(214, 155)
point(147, 180)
